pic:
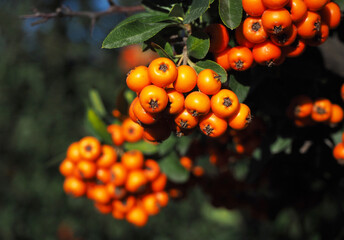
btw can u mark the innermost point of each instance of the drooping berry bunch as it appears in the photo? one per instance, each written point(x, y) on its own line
point(273, 30)
point(131, 189)
point(304, 111)
point(171, 98)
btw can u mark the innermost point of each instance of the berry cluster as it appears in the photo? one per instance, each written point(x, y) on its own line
point(171, 98)
point(273, 30)
point(131, 189)
point(304, 111)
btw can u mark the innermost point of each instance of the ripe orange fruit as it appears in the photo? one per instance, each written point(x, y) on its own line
point(89, 148)
point(67, 167)
point(298, 10)
point(253, 30)
point(219, 37)
point(74, 186)
point(240, 38)
point(322, 109)
point(118, 174)
point(208, 82)
point(99, 194)
point(186, 79)
point(138, 78)
point(150, 204)
point(132, 159)
point(241, 119)
point(159, 183)
point(309, 26)
point(107, 157)
point(212, 126)
point(197, 103)
point(103, 208)
point(253, 8)
point(286, 38)
point(73, 152)
point(222, 59)
point(151, 170)
point(132, 131)
point(275, 4)
point(315, 5)
point(116, 134)
point(136, 181)
point(162, 72)
point(331, 15)
point(336, 114)
point(175, 101)
point(240, 58)
point(266, 53)
point(153, 99)
point(162, 198)
point(137, 216)
point(124, 205)
point(185, 120)
point(103, 175)
point(186, 162)
point(86, 169)
point(338, 153)
point(276, 21)
point(295, 49)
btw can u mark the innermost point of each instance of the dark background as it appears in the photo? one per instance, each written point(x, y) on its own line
point(46, 72)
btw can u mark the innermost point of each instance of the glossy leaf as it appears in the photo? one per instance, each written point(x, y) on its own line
point(230, 12)
point(177, 11)
point(144, 147)
point(197, 9)
point(98, 126)
point(174, 171)
point(148, 17)
point(166, 51)
point(208, 64)
point(281, 144)
point(240, 90)
point(97, 103)
point(132, 33)
point(167, 145)
point(198, 44)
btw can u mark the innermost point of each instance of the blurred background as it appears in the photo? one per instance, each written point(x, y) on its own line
point(46, 72)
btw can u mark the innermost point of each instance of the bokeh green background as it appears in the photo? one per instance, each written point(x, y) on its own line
point(46, 72)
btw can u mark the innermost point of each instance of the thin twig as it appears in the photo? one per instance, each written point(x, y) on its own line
point(67, 12)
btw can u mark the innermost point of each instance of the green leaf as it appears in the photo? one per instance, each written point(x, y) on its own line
point(161, 51)
point(132, 33)
point(145, 147)
point(208, 64)
point(197, 9)
point(183, 144)
point(337, 136)
point(340, 4)
point(281, 144)
point(230, 12)
point(177, 11)
point(174, 171)
point(129, 96)
point(167, 145)
point(221, 215)
point(148, 17)
point(198, 44)
point(97, 103)
point(240, 90)
point(98, 126)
